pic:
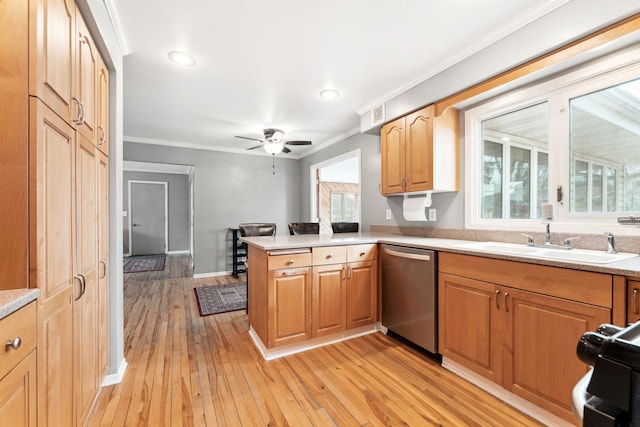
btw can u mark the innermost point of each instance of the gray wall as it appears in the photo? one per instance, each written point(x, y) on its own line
point(229, 189)
point(178, 200)
point(449, 206)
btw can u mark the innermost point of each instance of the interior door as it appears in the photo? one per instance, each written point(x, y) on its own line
point(148, 210)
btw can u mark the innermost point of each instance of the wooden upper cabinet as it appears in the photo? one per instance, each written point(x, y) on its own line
point(14, 127)
point(103, 265)
point(86, 90)
point(103, 107)
point(393, 157)
point(420, 152)
point(52, 28)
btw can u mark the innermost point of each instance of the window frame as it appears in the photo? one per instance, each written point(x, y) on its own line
point(599, 74)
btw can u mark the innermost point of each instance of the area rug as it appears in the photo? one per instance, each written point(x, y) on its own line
point(138, 264)
point(221, 298)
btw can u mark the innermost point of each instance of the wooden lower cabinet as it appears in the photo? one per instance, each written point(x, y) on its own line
point(18, 394)
point(328, 296)
point(521, 340)
point(289, 306)
point(633, 301)
point(361, 290)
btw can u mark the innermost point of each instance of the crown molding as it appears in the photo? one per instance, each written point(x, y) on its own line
point(118, 28)
point(510, 26)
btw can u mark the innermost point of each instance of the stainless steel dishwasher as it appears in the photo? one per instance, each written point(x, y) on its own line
point(409, 294)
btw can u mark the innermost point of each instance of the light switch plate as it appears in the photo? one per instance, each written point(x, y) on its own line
point(388, 214)
point(432, 214)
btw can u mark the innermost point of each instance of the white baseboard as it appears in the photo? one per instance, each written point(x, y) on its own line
point(116, 378)
point(178, 252)
point(278, 352)
point(126, 255)
point(214, 274)
point(534, 411)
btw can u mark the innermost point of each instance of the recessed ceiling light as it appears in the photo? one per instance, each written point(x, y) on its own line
point(182, 58)
point(329, 94)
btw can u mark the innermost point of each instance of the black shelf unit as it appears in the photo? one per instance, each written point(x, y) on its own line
point(239, 254)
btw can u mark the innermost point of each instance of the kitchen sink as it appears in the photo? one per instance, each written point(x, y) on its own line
point(573, 255)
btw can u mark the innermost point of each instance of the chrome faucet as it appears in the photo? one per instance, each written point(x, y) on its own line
point(610, 243)
point(547, 239)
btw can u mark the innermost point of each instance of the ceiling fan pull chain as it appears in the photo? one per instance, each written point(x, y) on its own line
point(273, 159)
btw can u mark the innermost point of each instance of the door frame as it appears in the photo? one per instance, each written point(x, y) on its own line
point(165, 184)
point(313, 173)
point(189, 170)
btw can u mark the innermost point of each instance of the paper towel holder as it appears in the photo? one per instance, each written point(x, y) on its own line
point(427, 200)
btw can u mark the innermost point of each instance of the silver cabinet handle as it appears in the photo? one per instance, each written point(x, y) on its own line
point(506, 307)
point(15, 343)
point(350, 272)
point(79, 279)
point(102, 139)
point(81, 122)
point(84, 283)
point(635, 300)
point(497, 299)
point(79, 113)
point(104, 271)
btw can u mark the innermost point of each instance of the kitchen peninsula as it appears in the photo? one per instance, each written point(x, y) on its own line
point(310, 290)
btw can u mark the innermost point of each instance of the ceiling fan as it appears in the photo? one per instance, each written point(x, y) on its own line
point(273, 143)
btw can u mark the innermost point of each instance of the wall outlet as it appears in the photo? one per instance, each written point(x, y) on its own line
point(388, 214)
point(432, 214)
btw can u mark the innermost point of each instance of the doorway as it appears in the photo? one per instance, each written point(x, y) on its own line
point(335, 190)
point(148, 225)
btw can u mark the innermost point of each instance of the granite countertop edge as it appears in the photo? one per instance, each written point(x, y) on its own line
point(12, 300)
point(629, 267)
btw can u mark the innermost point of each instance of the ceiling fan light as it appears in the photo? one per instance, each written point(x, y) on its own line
point(329, 94)
point(181, 58)
point(277, 135)
point(273, 148)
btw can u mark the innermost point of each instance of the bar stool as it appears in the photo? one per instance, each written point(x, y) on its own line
point(345, 227)
point(304, 228)
point(254, 229)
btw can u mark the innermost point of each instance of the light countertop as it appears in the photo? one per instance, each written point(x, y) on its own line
point(14, 299)
point(628, 267)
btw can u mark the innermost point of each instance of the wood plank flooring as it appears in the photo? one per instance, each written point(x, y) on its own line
point(188, 370)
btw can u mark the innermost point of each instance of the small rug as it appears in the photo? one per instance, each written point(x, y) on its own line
point(221, 298)
point(138, 264)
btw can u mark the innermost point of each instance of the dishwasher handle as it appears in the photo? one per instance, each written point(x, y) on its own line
point(407, 255)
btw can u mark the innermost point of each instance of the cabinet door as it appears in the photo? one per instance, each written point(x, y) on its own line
point(468, 324)
point(51, 163)
point(85, 305)
point(362, 294)
point(103, 266)
point(18, 394)
point(103, 107)
point(328, 296)
point(14, 128)
point(419, 150)
point(392, 141)
point(633, 301)
point(86, 81)
point(289, 306)
point(540, 364)
point(52, 55)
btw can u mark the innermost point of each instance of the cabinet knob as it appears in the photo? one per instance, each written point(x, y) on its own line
point(362, 254)
point(329, 256)
point(290, 262)
point(15, 344)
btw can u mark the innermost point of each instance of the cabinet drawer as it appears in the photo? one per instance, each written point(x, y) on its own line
point(362, 252)
point(329, 255)
point(22, 324)
point(276, 262)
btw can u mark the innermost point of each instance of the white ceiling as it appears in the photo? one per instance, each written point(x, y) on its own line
point(263, 63)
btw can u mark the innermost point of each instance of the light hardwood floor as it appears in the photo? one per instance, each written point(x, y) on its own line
point(184, 369)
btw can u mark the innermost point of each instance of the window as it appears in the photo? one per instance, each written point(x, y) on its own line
point(344, 207)
point(573, 141)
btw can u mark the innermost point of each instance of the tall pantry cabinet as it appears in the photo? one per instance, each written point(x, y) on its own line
point(68, 88)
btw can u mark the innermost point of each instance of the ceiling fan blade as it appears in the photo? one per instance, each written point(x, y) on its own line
point(298, 142)
point(253, 148)
point(285, 150)
point(251, 139)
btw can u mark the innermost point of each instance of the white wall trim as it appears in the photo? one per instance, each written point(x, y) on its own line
point(133, 166)
point(166, 211)
point(214, 274)
point(118, 28)
point(312, 180)
point(181, 252)
point(117, 377)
